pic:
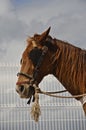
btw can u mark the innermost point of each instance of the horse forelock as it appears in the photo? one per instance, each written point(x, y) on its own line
point(31, 43)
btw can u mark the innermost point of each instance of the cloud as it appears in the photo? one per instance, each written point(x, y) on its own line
point(67, 19)
point(12, 32)
point(11, 28)
point(5, 7)
point(70, 28)
point(18, 19)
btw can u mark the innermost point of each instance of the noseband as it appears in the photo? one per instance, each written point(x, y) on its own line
point(33, 77)
point(26, 75)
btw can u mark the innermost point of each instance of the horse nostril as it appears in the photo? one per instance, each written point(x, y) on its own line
point(21, 88)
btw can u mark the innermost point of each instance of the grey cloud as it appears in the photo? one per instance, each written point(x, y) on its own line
point(67, 18)
point(12, 32)
point(67, 21)
point(70, 27)
point(11, 29)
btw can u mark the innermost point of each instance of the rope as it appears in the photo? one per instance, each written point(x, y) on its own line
point(57, 92)
point(58, 96)
point(35, 110)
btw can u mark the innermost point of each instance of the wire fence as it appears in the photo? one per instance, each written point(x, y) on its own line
point(61, 114)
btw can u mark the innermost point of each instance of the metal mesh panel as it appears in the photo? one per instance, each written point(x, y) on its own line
point(61, 114)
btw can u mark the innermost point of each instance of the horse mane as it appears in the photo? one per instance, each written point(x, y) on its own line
point(71, 66)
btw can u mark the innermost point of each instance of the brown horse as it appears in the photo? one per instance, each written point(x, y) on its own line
point(46, 55)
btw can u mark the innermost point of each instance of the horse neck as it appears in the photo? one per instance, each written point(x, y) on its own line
point(67, 65)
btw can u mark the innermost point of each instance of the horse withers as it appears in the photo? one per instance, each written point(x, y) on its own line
point(46, 55)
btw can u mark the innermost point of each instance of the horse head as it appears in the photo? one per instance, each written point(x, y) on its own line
point(36, 62)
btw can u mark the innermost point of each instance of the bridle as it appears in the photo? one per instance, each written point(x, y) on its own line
point(33, 84)
point(32, 78)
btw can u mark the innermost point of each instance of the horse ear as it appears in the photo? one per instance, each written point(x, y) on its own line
point(44, 35)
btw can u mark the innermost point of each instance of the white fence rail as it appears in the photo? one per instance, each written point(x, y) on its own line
point(61, 114)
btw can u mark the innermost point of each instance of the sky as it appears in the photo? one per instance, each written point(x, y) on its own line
point(22, 18)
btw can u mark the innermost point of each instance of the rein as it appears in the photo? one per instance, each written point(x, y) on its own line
point(58, 96)
point(52, 94)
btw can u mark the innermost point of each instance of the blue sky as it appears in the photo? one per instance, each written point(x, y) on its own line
point(22, 18)
point(18, 3)
point(21, 2)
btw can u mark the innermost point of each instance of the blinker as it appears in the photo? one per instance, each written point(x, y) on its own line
point(35, 54)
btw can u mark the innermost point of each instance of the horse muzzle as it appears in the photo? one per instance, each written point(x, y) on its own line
point(25, 91)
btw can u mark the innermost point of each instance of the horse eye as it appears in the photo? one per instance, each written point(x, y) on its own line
point(20, 61)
